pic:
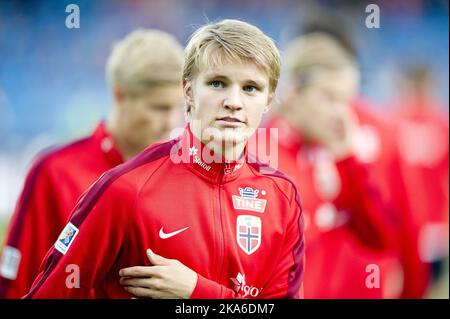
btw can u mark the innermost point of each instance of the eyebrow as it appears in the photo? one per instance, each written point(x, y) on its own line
point(223, 77)
point(256, 83)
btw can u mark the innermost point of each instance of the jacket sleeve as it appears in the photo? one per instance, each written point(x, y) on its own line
point(287, 277)
point(87, 248)
point(372, 219)
point(31, 232)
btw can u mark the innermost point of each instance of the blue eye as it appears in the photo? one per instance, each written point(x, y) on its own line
point(250, 88)
point(217, 84)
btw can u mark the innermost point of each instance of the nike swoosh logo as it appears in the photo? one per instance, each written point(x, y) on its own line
point(164, 235)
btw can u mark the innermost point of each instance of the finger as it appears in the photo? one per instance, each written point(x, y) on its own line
point(141, 271)
point(135, 282)
point(141, 292)
point(157, 259)
point(140, 282)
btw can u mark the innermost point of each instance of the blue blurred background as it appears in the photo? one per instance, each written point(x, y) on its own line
point(52, 85)
point(52, 77)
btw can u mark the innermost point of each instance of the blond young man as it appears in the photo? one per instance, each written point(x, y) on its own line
point(143, 71)
point(204, 221)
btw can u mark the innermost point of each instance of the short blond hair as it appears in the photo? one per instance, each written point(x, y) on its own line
point(145, 58)
point(312, 52)
point(231, 40)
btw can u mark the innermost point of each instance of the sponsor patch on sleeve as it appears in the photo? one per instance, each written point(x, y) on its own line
point(9, 262)
point(66, 238)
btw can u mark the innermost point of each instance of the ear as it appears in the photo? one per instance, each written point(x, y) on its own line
point(119, 94)
point(188, 95)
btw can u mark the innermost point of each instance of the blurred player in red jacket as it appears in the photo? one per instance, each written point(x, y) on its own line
point(350, 231)
point(376, 146)
point(219, 224)
point(144, 71)
point(421, 133)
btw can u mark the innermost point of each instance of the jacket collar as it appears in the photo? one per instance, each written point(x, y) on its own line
point(105, 143)
point(203, 162)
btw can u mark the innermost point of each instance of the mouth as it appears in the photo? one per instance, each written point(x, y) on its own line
point(229, 120)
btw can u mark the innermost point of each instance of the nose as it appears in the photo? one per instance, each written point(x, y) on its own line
point(233, 100)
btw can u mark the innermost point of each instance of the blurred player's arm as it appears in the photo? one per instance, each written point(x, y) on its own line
point(30, 233)
point(370, 217)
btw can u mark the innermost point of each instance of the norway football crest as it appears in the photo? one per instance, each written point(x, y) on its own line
point(248, 233)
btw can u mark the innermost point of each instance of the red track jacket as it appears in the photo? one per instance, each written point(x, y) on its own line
point(346, 227)
point(421, 136)
point(237, 225)
point(52, 187)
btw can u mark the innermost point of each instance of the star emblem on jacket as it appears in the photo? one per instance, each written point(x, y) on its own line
point(238, 282)
point(193, 151)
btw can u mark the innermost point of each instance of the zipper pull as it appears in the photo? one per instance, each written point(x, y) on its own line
point(227, 169)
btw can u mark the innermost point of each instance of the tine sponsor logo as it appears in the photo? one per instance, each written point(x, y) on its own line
point(248, 200)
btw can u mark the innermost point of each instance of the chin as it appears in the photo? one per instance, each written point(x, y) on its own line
point(235, 136)
point(224, 135)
